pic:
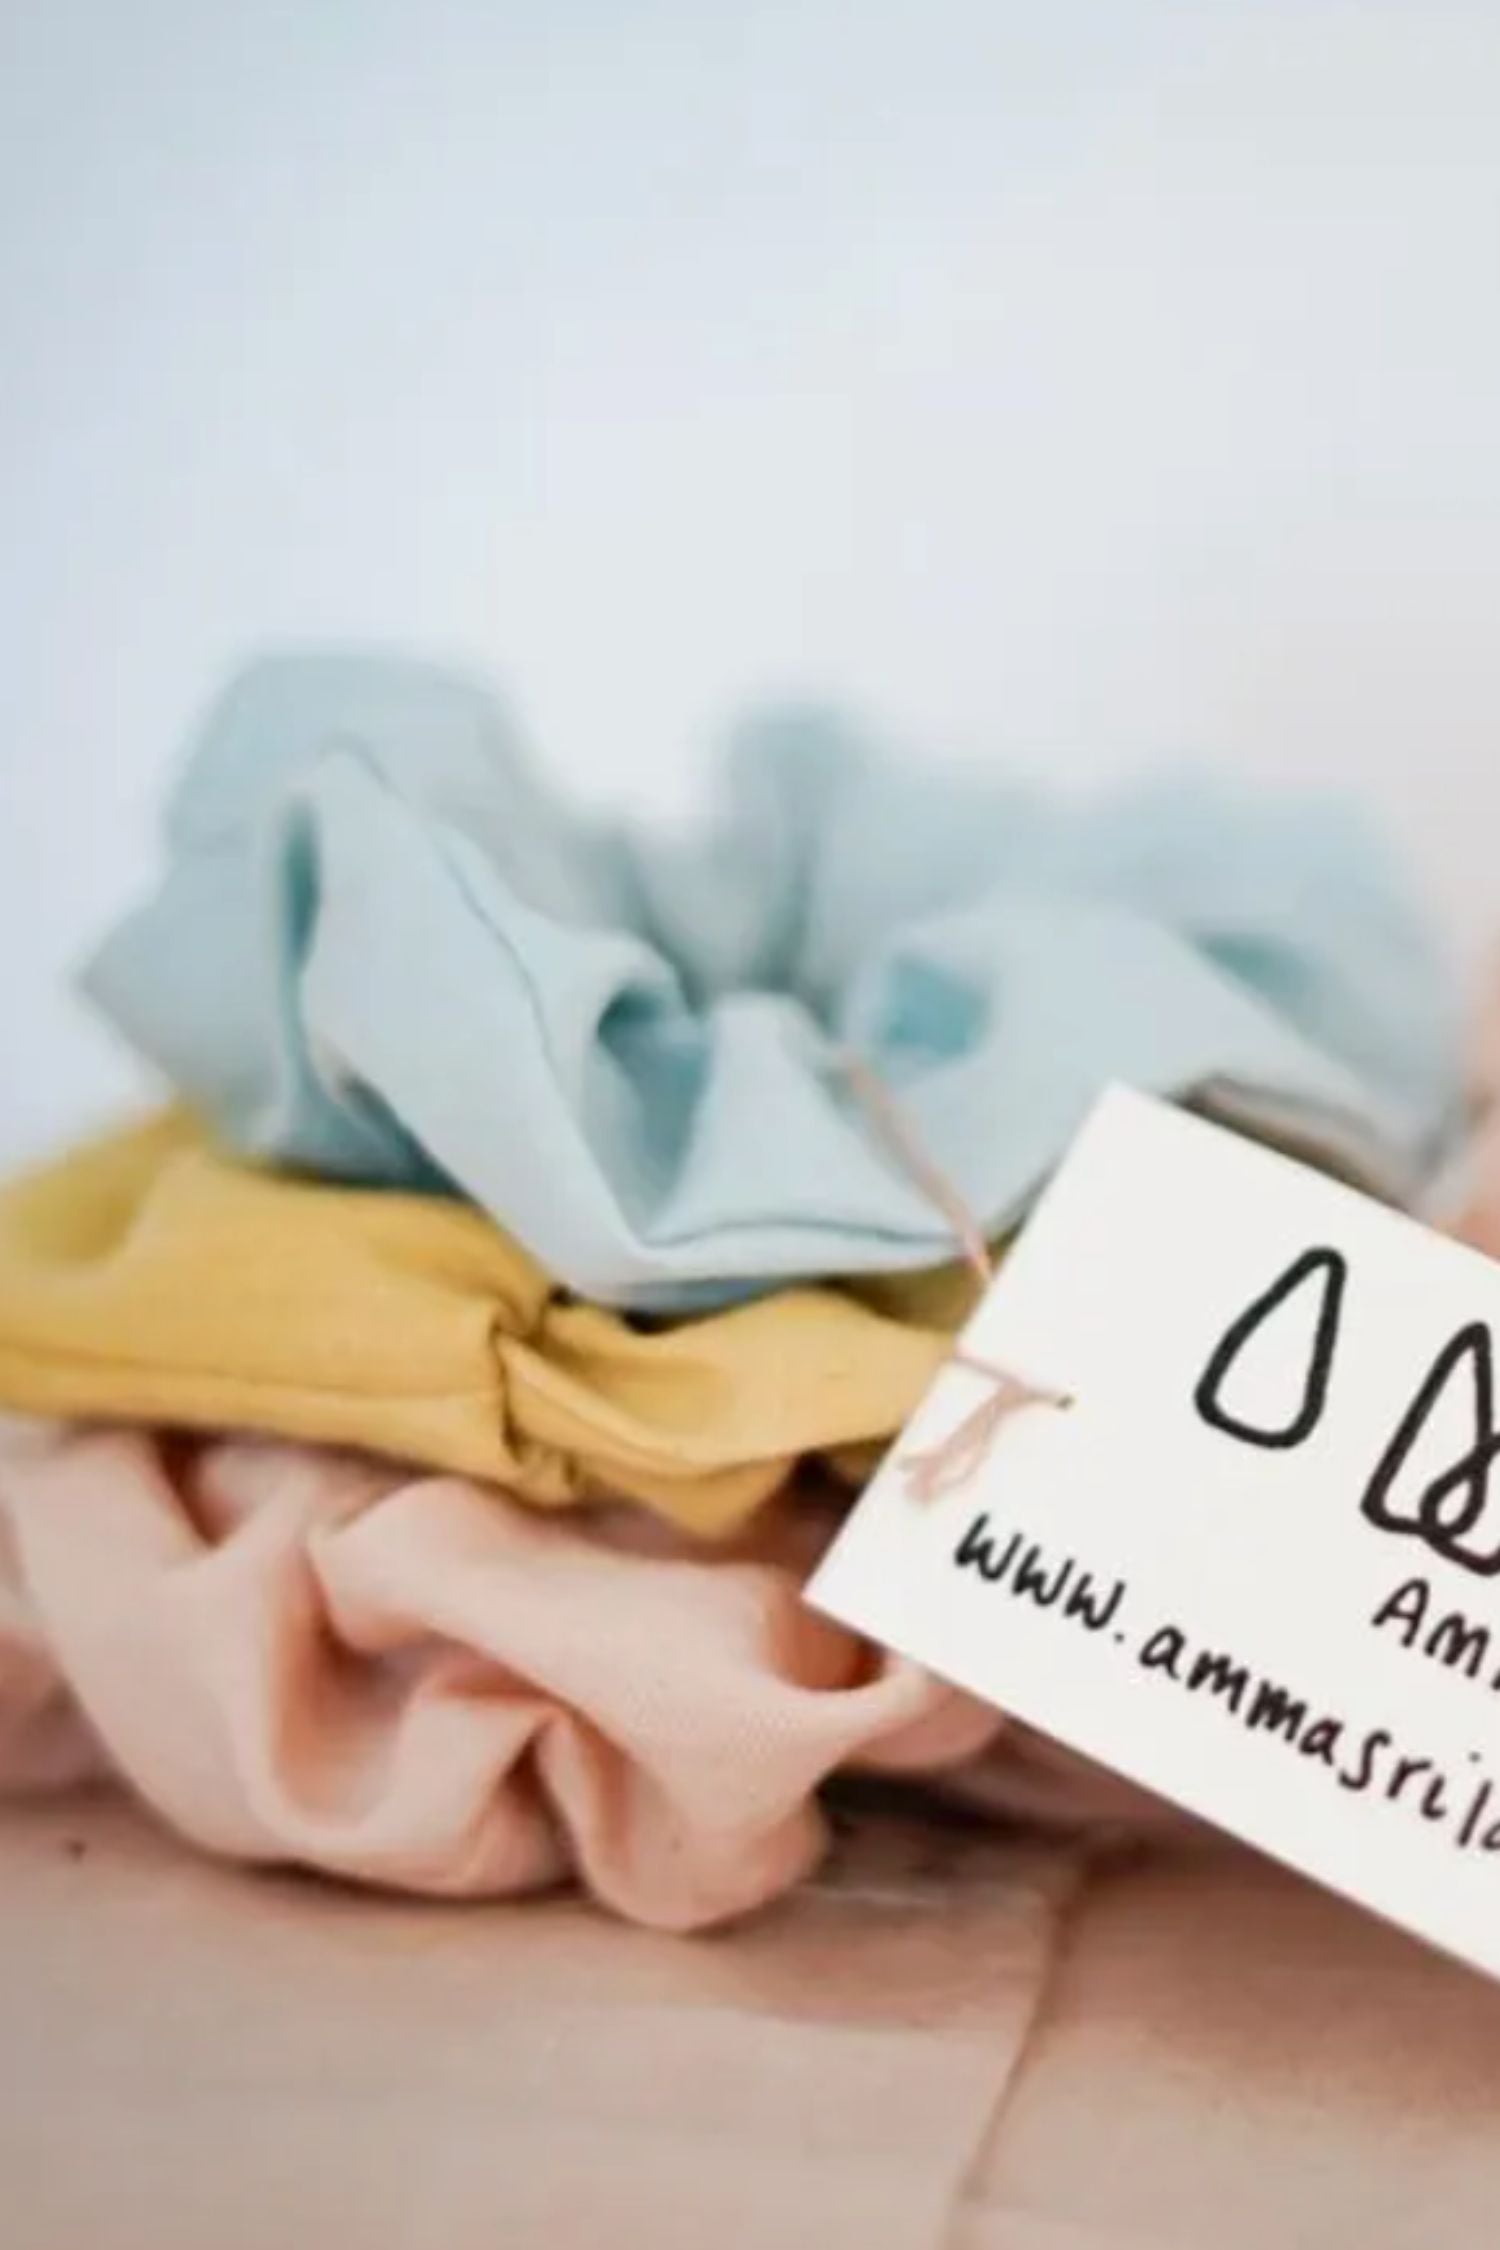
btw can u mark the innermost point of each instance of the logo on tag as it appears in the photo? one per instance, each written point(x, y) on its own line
point(1316, 1272)
point(1452, 1514)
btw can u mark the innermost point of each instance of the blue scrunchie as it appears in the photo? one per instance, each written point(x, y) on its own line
point(383, 952)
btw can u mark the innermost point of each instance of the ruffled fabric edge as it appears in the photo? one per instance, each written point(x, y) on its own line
point(146, 1278)
point(304, 1657)
point(557, 1070)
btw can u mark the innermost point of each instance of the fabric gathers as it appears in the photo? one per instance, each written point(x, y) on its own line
point(383, 952)
point(446, 1403)
point(148, 1278)
point(298, 1655)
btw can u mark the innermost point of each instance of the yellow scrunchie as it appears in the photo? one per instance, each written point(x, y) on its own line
point(148, 1278)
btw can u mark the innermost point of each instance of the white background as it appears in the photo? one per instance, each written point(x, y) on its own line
point(1068, 381)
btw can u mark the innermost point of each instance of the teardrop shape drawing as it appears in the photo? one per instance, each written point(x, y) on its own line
point(1452, 1506)
point(1315, 1269)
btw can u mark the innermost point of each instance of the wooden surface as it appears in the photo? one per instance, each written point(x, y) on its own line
point(946, 2040)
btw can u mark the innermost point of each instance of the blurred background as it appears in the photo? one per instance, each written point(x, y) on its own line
point(1072, 384)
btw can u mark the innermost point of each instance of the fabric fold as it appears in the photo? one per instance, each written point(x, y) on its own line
point(149, 1278)
point(45, 1742)
point(301, 1656)
point(382, 951)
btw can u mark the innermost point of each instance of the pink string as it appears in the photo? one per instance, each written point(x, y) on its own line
point(895, 1128)
point(954, 1459)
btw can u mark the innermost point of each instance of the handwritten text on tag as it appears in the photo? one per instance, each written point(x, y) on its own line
point(1256, 1563)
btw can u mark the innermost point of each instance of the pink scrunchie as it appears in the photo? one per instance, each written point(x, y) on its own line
point(302, 1656)
point(44, 1741)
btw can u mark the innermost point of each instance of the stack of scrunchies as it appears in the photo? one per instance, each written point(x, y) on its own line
point(426, 1428)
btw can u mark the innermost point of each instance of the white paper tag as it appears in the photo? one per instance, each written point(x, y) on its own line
point(1255, 1565)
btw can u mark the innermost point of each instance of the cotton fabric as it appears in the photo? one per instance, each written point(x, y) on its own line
point(148, 1278)
point(382, 951)
point(45, 1743)
point(303, 1656)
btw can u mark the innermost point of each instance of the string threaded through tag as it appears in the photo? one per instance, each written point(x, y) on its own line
point(943, 1467)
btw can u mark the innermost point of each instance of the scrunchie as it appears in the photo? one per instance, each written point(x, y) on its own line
point(383, 952)
point(299, 1656)
point(148, 1278)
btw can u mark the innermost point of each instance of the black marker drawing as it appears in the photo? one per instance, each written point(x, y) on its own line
point(1327, 1267)
point(1451, 1506)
